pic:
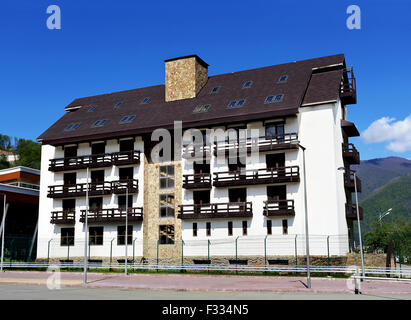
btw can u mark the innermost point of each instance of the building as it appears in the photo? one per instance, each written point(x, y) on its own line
point(10, 156)
point(20, 186)
point(180, 199)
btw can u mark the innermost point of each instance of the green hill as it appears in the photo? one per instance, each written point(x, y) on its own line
point(395, 194)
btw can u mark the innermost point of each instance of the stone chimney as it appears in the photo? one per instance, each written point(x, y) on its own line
point(185, 76)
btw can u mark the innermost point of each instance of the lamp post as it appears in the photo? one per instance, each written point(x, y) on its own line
point(126, 232)
point(85, 235)
point(382, 215)
point(307, 246)
point(358, 218)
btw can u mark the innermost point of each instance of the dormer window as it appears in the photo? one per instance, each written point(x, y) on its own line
point(72, 126)
point(127, 119)
point(247, 84)
point(118, 105)
point(215, 90)
point(236, 103)
point(202, 108)
point(283, 79)
point(99, 123)
point(276, 98)
point(145, 100)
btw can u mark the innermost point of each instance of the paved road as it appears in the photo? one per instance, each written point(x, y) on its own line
point(41, 292)
point(29, 285)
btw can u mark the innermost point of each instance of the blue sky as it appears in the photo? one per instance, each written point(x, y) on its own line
point(105, 46)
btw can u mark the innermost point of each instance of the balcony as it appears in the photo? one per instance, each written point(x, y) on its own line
point(95, 161)
point(348, 91)
point(216, 210)
point(197, 181)
point(349, 182)
point(265, 143)
point(351, 211)
point(203, 152)
point(275, 208)
point(120, 186)
point(350, 153)
point(63, 217)
point(94, 189)
point(112, 215)
point(257, 176)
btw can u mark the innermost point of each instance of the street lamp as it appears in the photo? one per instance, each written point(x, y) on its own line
point(85, 234)
point(386, 213)
point(307, 246)
point(126, 231)
point(358, 217)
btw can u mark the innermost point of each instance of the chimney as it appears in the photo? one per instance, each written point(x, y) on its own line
point(185, 76)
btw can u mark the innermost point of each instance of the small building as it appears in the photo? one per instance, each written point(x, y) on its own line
point(20, 187)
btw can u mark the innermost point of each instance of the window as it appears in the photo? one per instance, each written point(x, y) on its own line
point(269, 227)
point(167, 205)
point(247, 84)
point(95, 204)
point(96, 236)
point(118, 105)
point(244, 228)
point(72, 126)
point(236, 103)
point(215, 90)
point(283, 79)
point(99, 123)
point(145, 100)
point(121, 230)
point(127, 119)
point(166, 177)
point(275, 98)
point(92, 108)
point(285, 226)
point(230, 228)
point(208, 229)
point(202, 108)
point(166, 234)
point(67, 237)
point(126, 145)
point(274, 129)
point(194, 229)
point(122, 202)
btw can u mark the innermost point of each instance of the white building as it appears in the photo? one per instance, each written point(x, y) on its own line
point(178, 202)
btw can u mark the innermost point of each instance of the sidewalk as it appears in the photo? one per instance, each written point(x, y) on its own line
point(205, 283)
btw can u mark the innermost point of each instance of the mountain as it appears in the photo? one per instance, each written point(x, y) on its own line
point(386, 183)
point(376, 173)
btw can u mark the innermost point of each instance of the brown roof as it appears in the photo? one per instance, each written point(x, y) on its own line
point(301, 86)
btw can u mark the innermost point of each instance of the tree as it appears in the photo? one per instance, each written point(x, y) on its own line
point(29, 153)
point(386, 235)
point(4, 164)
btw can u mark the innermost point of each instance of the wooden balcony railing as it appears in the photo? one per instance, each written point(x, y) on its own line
point(216, 210)
point(258, 176)
point(120, 186)
point(63, 217)
point(350, 153)
point(95, 161)
point(94, 188)
point(274, 208)
point(348, 92)
point(349, 182)
point(112, 215)
point(264, 143)
point(203, 152)
point(351, 211)
point(197, 181)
